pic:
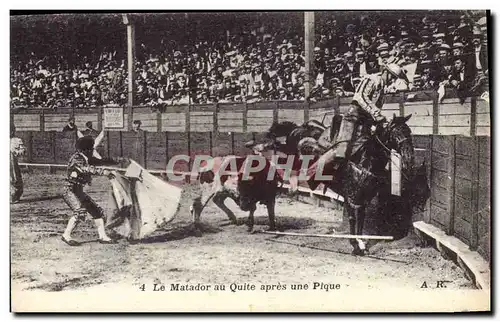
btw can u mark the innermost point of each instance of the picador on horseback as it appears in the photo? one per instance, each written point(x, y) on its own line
point(364, 111)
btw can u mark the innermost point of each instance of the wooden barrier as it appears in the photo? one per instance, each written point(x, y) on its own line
point(156, 150)
point(459, 174)
point(429, 117)
point(455, 118)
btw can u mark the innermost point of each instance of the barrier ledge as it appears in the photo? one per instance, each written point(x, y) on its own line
point(470, 261)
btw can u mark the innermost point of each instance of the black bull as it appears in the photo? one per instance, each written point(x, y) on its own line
point(250, 190)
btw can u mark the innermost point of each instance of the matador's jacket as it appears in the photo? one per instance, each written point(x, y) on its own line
point(79, 174)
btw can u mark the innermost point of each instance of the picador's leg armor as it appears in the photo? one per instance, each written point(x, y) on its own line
point(346, 132)
point(356, 221)
point(333, 158)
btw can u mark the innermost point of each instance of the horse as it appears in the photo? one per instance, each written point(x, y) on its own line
point(284, 138)
point(364, 176)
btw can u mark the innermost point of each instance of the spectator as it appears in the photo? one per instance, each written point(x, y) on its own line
point(461, 77)
point(480, 62)
point(180, 71)
point(360, 67)
point(136, 127)
point(16, 180)
point(428, 72)
point(458, 49)
point(71, 125)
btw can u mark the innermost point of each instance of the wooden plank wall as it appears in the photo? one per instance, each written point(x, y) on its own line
point(202, 121)
point(292, 112)
point(483, 118)
point(178, 144)
point(114, 144)
point(391, 109)
point(148, 119)
point(455, 118)
point(55, 122)
point(64, 143)
point(239, 140)
point(230, 118)
point(27, 122)
point(421, 120)
point(42, 144)
point(200, 144)
point(482, 184)
point(133, 146)
point(423, 145)
point(150, 149)
point(156, 150)
point(173, 122)
point(441, 181)
point(428, 116)
point(259, 120)
point(319, 115)
point(222, 144)
point(82, 119)
point(465, 148)
point(291, 115)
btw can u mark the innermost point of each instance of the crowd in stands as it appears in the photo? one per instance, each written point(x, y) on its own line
point(264, 64)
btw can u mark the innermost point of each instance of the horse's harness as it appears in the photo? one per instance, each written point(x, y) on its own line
point(399, 141)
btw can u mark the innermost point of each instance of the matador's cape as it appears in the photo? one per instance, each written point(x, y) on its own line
point(140, 203)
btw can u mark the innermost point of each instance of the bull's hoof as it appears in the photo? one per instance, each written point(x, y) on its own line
point(271, 228)
point(358, 252)
point(251, 230)
point(133, 241)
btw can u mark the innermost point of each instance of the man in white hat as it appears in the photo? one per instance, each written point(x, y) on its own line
point(480, 59)
point(383, 53)
point(360, 67)
point(365, 109)
point(444, 52)
point(480, 52)
point(458, 49)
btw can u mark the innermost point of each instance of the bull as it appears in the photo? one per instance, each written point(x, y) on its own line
point(245, 189)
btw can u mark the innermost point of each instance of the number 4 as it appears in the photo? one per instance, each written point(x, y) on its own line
point(142, 287)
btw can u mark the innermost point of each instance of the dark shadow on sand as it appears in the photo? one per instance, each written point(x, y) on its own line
point(180, 232)
point(282, 222)
point(44, 198)
point(304, 245)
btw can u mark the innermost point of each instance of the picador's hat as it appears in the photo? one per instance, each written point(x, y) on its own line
point(85, 143)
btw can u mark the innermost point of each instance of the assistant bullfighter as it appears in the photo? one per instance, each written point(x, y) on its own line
point(81, 167)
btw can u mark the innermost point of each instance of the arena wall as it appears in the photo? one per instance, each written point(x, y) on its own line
point(452, 138)
point(448, 117)
point(460, 181)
